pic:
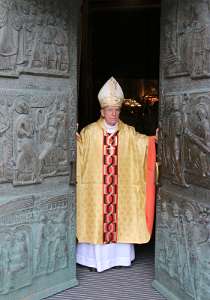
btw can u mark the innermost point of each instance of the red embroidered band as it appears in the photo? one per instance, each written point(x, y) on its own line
point(110, 191)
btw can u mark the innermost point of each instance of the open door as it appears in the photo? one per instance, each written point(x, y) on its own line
point(38, 100)
point(183, 208)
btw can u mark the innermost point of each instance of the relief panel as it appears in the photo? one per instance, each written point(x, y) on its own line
point(186, 33)
point(34, 137)
point(34, 37)
point(172, 128)
point(38, 42)
point(183, 210)
point(34, 239)
point(16, 267)
point(197, 139)
point(182, 254)
point(185, 139)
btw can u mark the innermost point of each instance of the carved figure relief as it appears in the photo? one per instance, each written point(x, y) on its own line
point(9, 27)
point(33, 137)
point(53, 141)
point(57, 242)
point(40, 220)
point(203, 272)
point(37, 232)
point(185, 246)
point(61, 43)
point(183, 211)
point(184, 35)
point(176, 141)
point(200, 47)
point(39, 247)
point(4, 122)
point(198, 137)
point(190, 241)
point(25, 33)
point(163, 234)
point(15, 260)
point(27, 164)
point(33, 38)
point(175, 258)
point(4, 126)
point(185, 139)
point(191, 47)
point(48, 45)
point(172, 140)
point(174, 63)
point(6, 242)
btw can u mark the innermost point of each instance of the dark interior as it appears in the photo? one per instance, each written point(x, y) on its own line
point(122, 42)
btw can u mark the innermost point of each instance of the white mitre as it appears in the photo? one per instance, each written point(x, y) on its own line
point(111, 94)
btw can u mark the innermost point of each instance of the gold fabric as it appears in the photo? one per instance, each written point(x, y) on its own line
point(111, 101)
point(132, 157)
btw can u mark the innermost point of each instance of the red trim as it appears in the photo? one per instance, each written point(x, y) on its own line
point(102, 203)
point(117, 189)
point(110, 188)
point(150, 184)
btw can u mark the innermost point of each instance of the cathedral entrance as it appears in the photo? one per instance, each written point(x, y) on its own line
point(182, 231)
point(39, 49)
point(121, 41)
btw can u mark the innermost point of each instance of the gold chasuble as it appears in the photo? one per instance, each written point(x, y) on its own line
point(115, 185)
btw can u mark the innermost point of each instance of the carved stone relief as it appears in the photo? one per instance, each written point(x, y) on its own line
point(172, 139)
point(174, 64)
point(185, 139)
point(187, 48)
point(72, 125)
point(203, 274)
point(183, 235)
point(33, 137)
point(197, 134)
point(34, 239)
point(15, 259)
point(38, 104)
point(183, 210)
point(33, 37)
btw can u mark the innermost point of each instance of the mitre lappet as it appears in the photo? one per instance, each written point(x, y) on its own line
point(111, 94)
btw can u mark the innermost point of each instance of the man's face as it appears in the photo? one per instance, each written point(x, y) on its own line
point(111, 115)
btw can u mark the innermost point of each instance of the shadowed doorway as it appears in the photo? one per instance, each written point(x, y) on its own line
point(121, 39)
